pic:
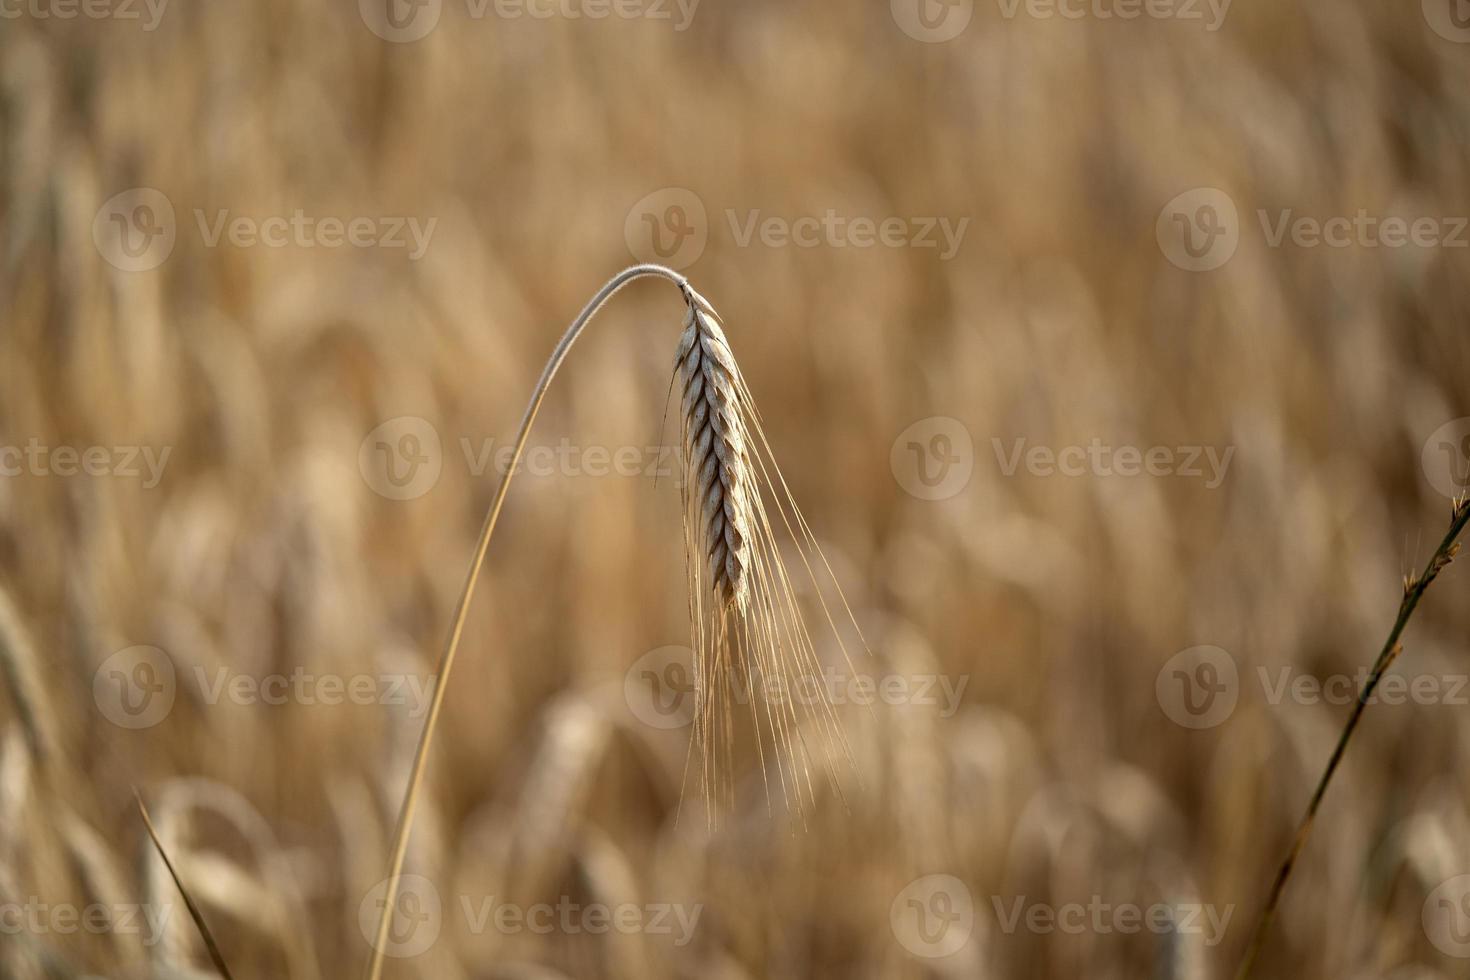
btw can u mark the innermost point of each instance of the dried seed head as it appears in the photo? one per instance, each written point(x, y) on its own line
point(749, 631)
point(719, 470)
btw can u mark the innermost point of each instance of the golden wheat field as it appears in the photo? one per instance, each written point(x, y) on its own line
point(1116, 351)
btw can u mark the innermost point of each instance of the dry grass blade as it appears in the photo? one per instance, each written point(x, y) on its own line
point(1414, 589)
point(194, 913)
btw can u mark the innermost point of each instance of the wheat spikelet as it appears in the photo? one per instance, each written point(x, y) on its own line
point(750, 636)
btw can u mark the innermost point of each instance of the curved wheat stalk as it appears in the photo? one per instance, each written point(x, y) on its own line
point(747, 624)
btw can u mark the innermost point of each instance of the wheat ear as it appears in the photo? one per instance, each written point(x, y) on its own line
point(715, 454)
point(743, 609)
point(750, 635)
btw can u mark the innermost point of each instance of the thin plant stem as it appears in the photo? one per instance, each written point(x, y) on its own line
point(1414, 589)
point(451, 645)
point(215, 956)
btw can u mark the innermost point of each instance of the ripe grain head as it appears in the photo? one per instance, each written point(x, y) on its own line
point(750, 636)
point(719, 471)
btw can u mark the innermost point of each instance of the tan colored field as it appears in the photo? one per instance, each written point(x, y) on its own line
point(1083, 341)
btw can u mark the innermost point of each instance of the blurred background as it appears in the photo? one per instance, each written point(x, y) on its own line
point(1116, 355)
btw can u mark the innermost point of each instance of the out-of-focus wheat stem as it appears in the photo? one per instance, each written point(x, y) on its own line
point(215, 956)
point(451, 646)
point(1414, 589)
